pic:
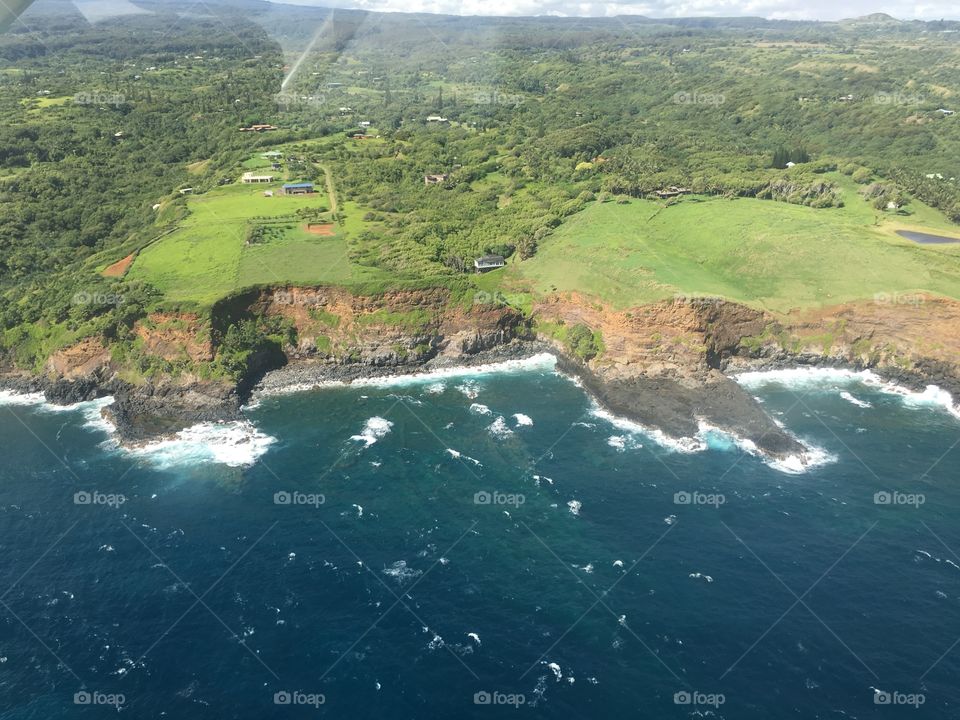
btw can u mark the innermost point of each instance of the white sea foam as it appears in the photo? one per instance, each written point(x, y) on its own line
point(480, 409)
point(684, 444)
point(575, 506)
point(825, 379)
point(375, 429)
point(90, 409)
point(855, 400)
point(499, 428)
point(711, 437)
point(11, 397)
point(804, 378)
point(236, 444)
point(809, 458)
point(401, 573)
point(456, 454)
point(522, 420)
point(541, 361)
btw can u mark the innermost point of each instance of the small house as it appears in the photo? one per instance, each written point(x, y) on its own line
point(672, 192)
point(250, 178)
point(186, 191)
point(486, 263)
point(304, 188)
point(436, 119)
point(435, 179)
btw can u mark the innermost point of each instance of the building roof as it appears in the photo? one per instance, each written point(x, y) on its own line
point(489, 260)
point(293, 186)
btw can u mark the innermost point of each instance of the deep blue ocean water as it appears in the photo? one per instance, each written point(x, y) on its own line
point(590, 587)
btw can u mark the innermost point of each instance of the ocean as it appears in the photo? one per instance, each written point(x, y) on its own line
point(483, 544)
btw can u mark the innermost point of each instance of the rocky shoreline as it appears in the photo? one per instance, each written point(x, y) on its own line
point(665, 366)
point(674, 406)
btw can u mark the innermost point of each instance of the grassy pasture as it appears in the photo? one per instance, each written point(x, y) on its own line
point(207, 257)
point(767, 254)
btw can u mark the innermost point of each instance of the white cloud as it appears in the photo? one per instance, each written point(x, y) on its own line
point(778, 9)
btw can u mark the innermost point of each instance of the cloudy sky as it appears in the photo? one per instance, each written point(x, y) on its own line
point(782, 9)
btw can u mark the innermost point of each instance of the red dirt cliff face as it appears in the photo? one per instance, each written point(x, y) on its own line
point(81, 360)
point(398, 326)
point(176, 336)
point(681, 338)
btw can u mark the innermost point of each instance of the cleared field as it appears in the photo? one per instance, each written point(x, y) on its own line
point(208, 256)
point(763, 253)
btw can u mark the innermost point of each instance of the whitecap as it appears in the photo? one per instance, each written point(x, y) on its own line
point(474, 637)
point(854, 400)
point(236, 444)
point(499, 428)
point(401, 573)
point(457, 455)
point(522, 420)
point(575, 506)
point(701, 576)
point(375, 429)
point(480, 409)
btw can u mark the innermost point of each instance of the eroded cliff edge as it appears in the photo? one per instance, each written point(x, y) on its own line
point(665, 365)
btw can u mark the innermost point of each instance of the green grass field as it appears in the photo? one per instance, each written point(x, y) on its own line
point(764, 253)
point(207, 256)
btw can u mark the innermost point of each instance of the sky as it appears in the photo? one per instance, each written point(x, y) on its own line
point(777, 9)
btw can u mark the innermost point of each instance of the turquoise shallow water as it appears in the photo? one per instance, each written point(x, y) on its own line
point(559, 567)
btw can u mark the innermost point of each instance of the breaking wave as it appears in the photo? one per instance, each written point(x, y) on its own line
point(236, 444)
